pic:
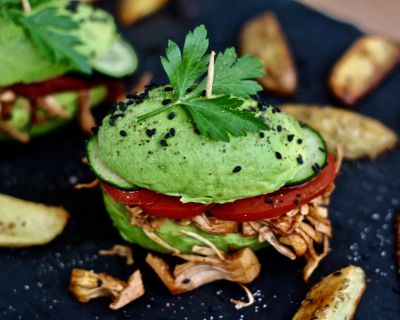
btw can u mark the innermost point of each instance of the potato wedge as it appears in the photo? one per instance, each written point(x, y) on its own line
point(359, 136)
point(130, 11)
point(263, 37)
point(335, 297)
point(24, 223)
point(363, 67)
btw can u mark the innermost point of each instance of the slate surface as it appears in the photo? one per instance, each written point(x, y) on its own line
point(34, 282)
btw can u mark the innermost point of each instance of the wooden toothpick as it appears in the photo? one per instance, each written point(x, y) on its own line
point(26, 5)
point(210, 75)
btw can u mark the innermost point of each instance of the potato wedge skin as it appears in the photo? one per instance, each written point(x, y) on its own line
point(366, 63)
point(359, 136)
point(24, 223)
point(335, 297)
point(263, 37)
point(131, 11)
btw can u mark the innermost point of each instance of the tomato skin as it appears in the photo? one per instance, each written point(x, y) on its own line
point(279, 202)
point(115, 89)
point(156, 204)
point(267, 206)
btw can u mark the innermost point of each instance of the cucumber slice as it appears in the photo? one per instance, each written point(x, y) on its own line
point(100, 168)
point(316, 156)
point(120, 60)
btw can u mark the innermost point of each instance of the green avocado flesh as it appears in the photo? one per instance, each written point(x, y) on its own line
point(22, 62)
point(192, 167)
point(170, 232)
point(20, 116)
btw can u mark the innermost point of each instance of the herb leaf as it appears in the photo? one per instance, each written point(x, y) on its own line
point(51, 33)
point(232, 75)
point(184, 69)
point(217, 117)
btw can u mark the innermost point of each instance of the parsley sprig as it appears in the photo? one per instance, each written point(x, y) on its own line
point(220, 116)
point(50, 31)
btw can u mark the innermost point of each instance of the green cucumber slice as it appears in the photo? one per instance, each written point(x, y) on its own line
point(120, 60)
point(316, 156)
point(101, 169)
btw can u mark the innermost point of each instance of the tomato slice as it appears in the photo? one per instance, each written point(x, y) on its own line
point(156, 204)
point(67, 83)
point(250, 209)
point(279, 202)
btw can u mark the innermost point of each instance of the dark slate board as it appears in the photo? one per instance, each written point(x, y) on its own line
point(34, 282)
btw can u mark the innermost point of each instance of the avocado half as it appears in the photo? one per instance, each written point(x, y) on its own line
point(165, 153)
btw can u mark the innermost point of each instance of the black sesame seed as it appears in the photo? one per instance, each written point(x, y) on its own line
point(290, 137)
point(99, 282)
point(167, 136)
point(166, 89)
point(72, 6)
point(236, 169)
point(150, 132)
point(132, 96)
point(337, 273)
point(95, 130)
point(299, 141)
point(203, 93)
point(186, 281)
point(278, 155)
point(253, 109)
point(259, 105)
point(166, 101)
point(164, 143)
point(262, 134)
point(297, 202)
point(188, 90)
point(321, 149)
point(122, 133)
point(111, 121)
point(129, 102)
point(171, 115)
point(269, 200)
point(300, 159)
point(197, 131)
point(172, 132)
point(279, 128)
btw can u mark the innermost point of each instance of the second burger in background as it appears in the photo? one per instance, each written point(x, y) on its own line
point(58, 58)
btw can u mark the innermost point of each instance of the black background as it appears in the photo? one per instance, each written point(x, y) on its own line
point(34, 282)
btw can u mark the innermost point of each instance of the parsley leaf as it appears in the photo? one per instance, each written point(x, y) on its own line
point(217, 117)
point(184, 69)
point(232, 75)
point(51, 34)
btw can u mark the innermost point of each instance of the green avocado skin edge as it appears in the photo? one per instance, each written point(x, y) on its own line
point(170, 232)
point(20, 117)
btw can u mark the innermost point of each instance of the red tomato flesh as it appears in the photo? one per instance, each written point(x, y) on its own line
point(157, 204)
point(67, 83)
point(279, 202)
point(250, 209)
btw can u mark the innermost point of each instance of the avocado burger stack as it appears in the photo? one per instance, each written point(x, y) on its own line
point(200, 165)
point(49, 54)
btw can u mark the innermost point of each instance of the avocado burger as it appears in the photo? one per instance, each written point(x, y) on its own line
point(49, 55)
point(202, 169)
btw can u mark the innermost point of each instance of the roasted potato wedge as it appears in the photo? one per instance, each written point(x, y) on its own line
point(363, 67)
point(263, 37)
point(24, 223)
point(359, 136)
point(335, 297)
point(131, 11)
